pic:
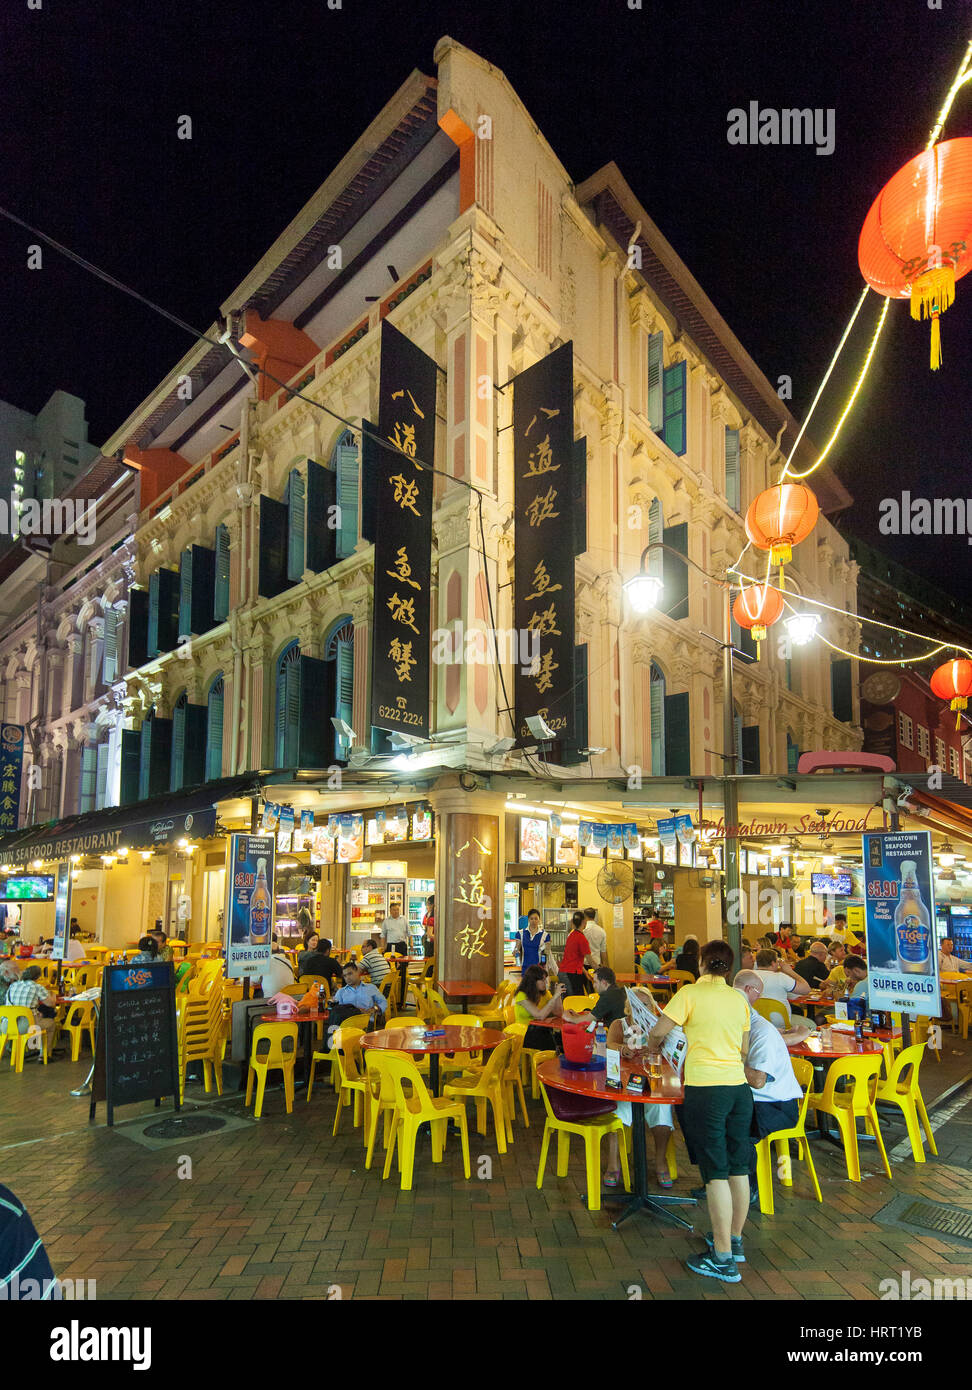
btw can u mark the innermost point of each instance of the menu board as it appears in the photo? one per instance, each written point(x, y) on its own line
point(136, 1056)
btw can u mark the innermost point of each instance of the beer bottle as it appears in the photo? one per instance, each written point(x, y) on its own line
point(912, 925)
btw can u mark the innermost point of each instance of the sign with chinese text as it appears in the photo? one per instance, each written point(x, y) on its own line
point(469, 920)
point(543, 501)
point(11, 771)
point(248, 921)
point(899, 909)
point(402, 624)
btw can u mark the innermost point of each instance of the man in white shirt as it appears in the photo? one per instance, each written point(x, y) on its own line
point(778, 978)
point(776, 1091)
point(278, 974)
point(394, 930)
point(949, 962)
point(596, 936)
point(73, 950)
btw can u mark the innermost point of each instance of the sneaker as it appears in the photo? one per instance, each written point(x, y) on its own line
point(737, 1247)
point(698, 1193)
point(714, 1269)
point(754, 1196)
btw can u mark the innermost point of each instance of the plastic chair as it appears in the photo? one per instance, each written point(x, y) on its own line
point(200, 1034)
point(847, 1106)
point(513, 1076)
point(921, 1032)
point(351, 1071)
point(412, 1111)
point(680, 978)
point(580, 1003)
point(773, 1010)
point(901, 1089)
point(493, 1014)
point(422, 1010)
point(80, 1017)
point(592, 1130)
point(274, 1049)
point(382, 1097)
point(321, 981)
point(963, 1000)
point(459, 1062)
point(12, 1016)
point(437, 1006)
point(803, 1071)
point(487, 1087)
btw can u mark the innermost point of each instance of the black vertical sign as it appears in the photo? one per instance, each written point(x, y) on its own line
point(543, 506)
point(402, 626)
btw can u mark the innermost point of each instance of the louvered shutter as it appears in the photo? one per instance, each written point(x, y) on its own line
point(273, 578)
point(178, 745)
point(110, 656)
point(296, 526)
point(840, 690)
point(194, 745)
point(654, 407)
point(89, 777)
point(131, 741)
point(737, 742)
point(221, 590)
point(732, 468)
point(344, 689)
point(292, 714)
point(571, 752)
point(750, 750)
point(321, 502)
point(347, 492)
point(677, 744)
point(185, 593)
point(316, 731)
point(579, 497)
point(657, 728)
point(674, 433)
point(214, 732)
point(101, 777)
point(153, 616)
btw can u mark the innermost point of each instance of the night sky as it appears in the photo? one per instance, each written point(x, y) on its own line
point(90, 96)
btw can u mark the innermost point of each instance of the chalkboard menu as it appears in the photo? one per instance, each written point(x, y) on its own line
point(136, 1057)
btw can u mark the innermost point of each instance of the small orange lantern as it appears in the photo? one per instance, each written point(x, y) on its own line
point(915, 239)
point(953, 682)
point(757, 608)
point(779, 518)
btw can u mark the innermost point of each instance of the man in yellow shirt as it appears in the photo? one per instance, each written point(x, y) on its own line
point(717, 1110)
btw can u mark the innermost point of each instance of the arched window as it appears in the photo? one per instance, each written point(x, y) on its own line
point(344, 461)
point(214, 729)
point(287, 708)
point(339, 648)
point(657, 722)
point(177, 766)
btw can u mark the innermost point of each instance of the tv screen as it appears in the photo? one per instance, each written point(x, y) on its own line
point(27, 888)
point(838, 885)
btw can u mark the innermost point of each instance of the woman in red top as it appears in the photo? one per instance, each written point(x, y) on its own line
point(572, 964)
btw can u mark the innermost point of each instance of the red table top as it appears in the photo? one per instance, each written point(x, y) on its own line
point(467, 989)
point(302, 1016)
point(831, 1045)
point(454, 1039)
point(643, 979)
point(594, 1083)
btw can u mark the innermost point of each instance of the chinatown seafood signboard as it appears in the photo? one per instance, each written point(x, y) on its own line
point(543, 507)
point(899, 907)
point(248, 921)
point(402, 626)
point(469, 934)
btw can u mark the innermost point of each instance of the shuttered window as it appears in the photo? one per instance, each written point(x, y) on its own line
point(674, 431)
point(677, 743)
point(214, 730)
point(654, 399)
point(296, 526)
point(733, 491)
point(346, 468)
point(185, 593)
point(675, 572)
point(792, 754)
point(138, 615)
point(110, 655)
point(656, 536)
point(101, 777)
point(657, 688)
point(750, 750)
point(89, 777)
point(178, 743)
point(287, 713)
point(222, 582)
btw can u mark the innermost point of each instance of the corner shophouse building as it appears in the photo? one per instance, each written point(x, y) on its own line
point(497, 257)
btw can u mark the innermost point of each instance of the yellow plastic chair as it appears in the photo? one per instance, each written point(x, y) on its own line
point(382, 1098)
point(803, 1071)
point(12, 1016)
point(423, 1012)
point(459, 1062)
point(416, 1109)
point(963, 999)
point(437, 1006)
point(774, 1011)
point(513, 1076)
point(274, 1049)
point(347, 1043)
point(200, 1035)
point(78, 1019)
point(580, 1003)
point(592, 1131)
point(848, 1106)
point(921, 1031)
point(486, 1087)
point(901, 1089)
point(389, 987)
point(680, 978)
point(320, 980)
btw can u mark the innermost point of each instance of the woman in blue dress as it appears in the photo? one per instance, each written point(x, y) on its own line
point(531, 945)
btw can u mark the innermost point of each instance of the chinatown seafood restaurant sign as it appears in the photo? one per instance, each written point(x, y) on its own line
point(806, 825)
point(147, 834)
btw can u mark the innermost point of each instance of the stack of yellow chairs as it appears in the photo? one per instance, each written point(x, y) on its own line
point(200, 1031)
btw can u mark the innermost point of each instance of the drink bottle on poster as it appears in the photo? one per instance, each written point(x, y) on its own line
point(899, 906)
point(249, 915)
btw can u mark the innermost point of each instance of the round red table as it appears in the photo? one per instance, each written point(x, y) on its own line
point(452, 1038)
point(467, 989)
point(829, 1047)
point(668, 1091)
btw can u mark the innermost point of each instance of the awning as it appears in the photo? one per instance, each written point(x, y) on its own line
point(156, 822)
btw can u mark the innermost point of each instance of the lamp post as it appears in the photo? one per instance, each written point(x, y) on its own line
point(643, 592)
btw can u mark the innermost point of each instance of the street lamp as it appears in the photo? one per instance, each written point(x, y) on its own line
point(801, 628)
point(643, 591)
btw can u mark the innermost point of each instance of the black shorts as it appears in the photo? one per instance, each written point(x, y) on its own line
point(717, 1121)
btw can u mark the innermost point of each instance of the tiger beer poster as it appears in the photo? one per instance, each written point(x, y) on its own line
point(899, 906)
point(248, 920)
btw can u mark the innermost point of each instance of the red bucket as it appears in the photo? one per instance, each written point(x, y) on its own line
point(578, 1042)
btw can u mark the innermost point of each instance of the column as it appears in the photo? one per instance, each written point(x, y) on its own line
point(470, 871)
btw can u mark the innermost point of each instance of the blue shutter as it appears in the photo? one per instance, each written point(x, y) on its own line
point(153, 615)
point(656, 534)
point(214, 731)
point(109, 671)
point(145, 758)
point(185, 593)
point(654, 407)
point(130, 762)
point(178, 764)
point(657, 728)
point(677, 742)
point(347, 495)
point(296, 515)
point(287, 722)
point(222, 589)
point(101, 777)
point(344, 688)
point(732, 468)
point(674, 433)
point(89, 777)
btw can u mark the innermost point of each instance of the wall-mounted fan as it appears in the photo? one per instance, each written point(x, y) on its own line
point(615, 882)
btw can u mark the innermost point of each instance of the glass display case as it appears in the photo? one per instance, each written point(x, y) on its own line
point(418, 890)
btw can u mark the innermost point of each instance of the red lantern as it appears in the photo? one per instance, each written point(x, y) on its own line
point(756, 609)
point(779, 518)
point(915, 239)
point(953, 682)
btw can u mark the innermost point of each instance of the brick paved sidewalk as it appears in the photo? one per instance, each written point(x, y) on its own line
point(278, 1208)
